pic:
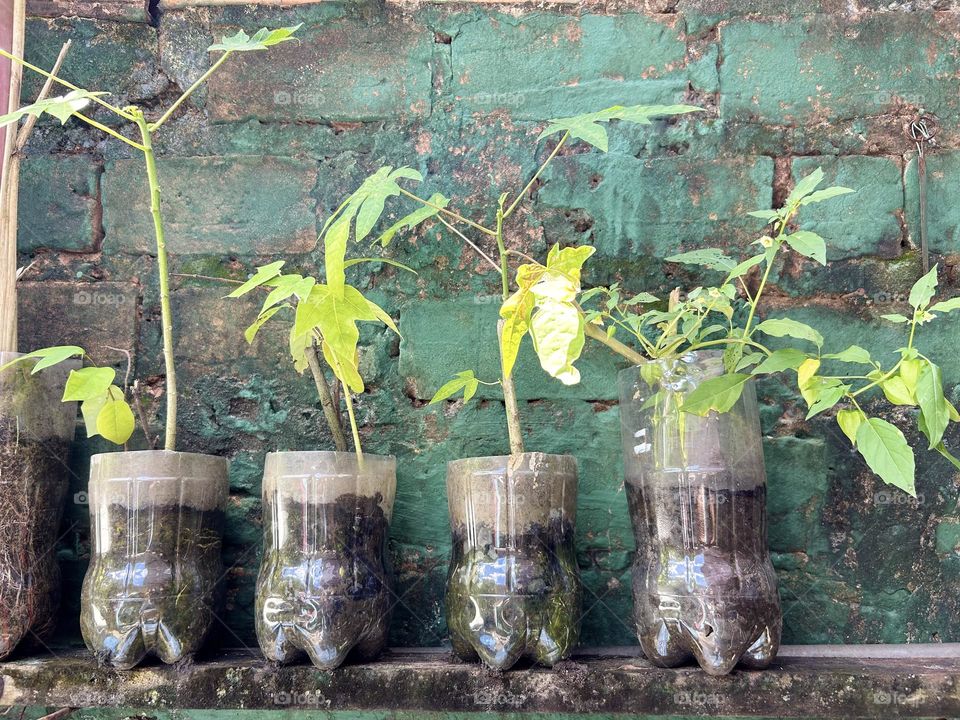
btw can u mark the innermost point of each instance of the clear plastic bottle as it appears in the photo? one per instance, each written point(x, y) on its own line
point(513, 588)
point(703, 583)
point(324, 588)
point(154, 582)
point(36, 431)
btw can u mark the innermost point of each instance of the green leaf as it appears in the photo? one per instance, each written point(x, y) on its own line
point(587, 127)
point(415, 218)
point(933, 405)
point(897, 392)
point(826, 194)
point(803, 188)
point(887, 453)
point(385, 261)
point(849, 421)
point(785, 327)
point(90, 409)
point(748, 360)
point(115, 421)
point(261, 40)
point(383, 316)
point(251, 332)
point(896, 318)
point(643, 298)
point(780, 360)
point(923, 290)
point(829, 396)
point(712, 258)
point(768, 215)
point(261, 276)
point(946, 306)
point(335, 250)
point(941, 448)
point(463, 381)
point(808, 244)
point(298, 349)
point(719, 394)
point(87, 383)
point(740, 268)
point(853, 354)
point(61, 107)
point(47, 357)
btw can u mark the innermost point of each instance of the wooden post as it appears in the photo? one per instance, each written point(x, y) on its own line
point(13, 19)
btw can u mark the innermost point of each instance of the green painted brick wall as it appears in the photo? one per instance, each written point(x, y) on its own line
point(459, 91)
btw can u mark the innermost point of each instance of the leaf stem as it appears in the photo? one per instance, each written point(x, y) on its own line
point(163, 271)
point(115, 110)
point(189, 91)
point(469, 242)
point(449, 213)
point(536, 175)
point(618, 347)
point(353, 426)
point(109, 131)
point(514, 431)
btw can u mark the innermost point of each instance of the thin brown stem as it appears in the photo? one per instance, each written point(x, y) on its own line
point(448, 213)
point(330, 411)
point(24, 135)
point(536, 175)
point(618, 347)
point(469, 242)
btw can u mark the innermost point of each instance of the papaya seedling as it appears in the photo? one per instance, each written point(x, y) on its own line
point(107, 410)
point(361, 211)
point(706, 319)
point(323, 331)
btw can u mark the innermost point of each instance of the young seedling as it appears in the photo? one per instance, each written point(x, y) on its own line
point(323, 330)
point(705, 320)
point(107, 412)
point(360, 213)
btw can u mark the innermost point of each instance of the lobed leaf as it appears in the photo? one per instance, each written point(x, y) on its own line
point(260, 277)
point(62, 107)
point(465, 381)
point(261, 40)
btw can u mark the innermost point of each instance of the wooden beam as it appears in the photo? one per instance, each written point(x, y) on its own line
point(8, 188)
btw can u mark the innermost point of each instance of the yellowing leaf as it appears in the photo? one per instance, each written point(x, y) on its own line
point(87, 383)
point(115, 421)
point(558, 337)
point(849, 421)
point(335, 250)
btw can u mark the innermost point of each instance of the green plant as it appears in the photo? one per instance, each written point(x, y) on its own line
point(362, 210)
point(706, 319)
point(323, 330)
point(107, 411)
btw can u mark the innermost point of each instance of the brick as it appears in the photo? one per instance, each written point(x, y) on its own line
point(568, 65)
point(91, 315)
point(862, 223)
point(59, 206)
point(115, 57)
point(943, 214)
point(656, 207)
point(797, 486)
point(825, 69)
point(234, 205)
point(443, 337)
point(341, 69)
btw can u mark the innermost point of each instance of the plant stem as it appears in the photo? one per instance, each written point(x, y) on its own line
point(189, 91)
point(514, 431)
point(330, 411)
point(166, 315)
point(618, 347)
point(115, 110)
point(469, 242)
point(526, 189)
point(448, 213)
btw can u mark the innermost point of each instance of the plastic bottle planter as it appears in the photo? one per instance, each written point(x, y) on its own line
point(513, 587)
point(155, 574)
point(36, 430)
point(703, 583)
point(324, 588)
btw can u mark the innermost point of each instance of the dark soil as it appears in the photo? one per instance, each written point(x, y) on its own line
point(156, 587)
point(324, 592)
point(33, 483)
point(703, 583)
point(524, 588)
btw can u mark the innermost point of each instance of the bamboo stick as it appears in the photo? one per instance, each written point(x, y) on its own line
point(8, 196)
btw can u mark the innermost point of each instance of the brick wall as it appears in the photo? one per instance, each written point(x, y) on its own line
point(254, 165)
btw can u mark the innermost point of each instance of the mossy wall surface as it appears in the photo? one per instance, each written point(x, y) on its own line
point(252, 167)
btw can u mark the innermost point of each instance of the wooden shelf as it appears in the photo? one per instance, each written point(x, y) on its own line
point(880, 681)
